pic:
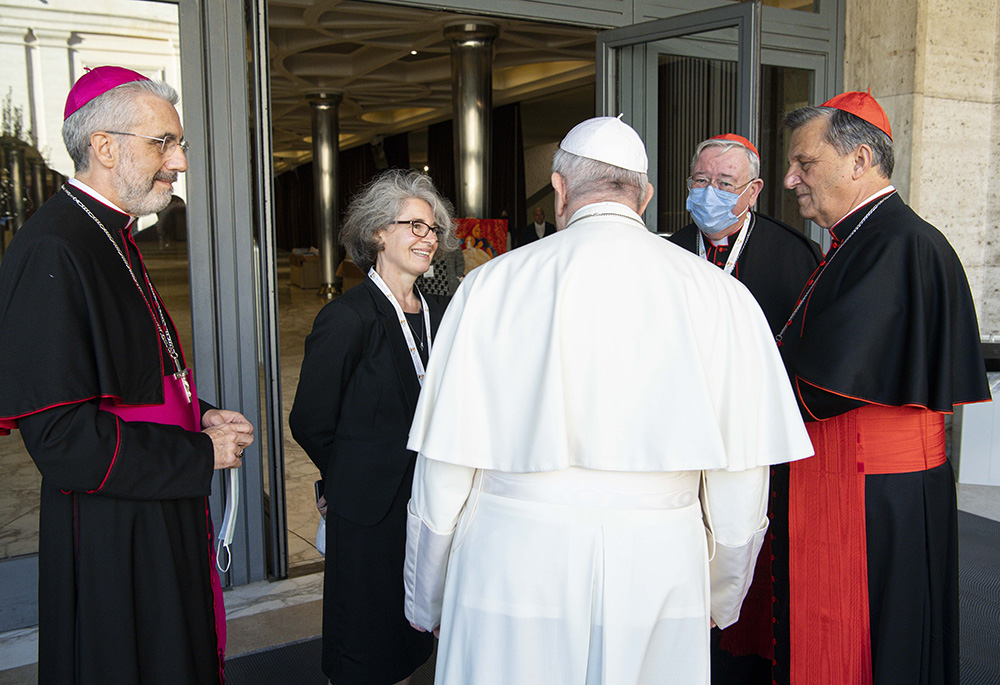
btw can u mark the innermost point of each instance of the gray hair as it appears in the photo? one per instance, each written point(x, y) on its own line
point(589, 179)
point(724, 147)
point(116, 110)
point(379, 203)
point(846, 133)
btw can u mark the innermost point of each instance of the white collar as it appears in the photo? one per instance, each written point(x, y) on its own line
point(76, 183)
point(874, 196)
point(604, 209)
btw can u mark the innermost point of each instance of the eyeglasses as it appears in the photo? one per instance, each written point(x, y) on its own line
point(421, 228)
point(168, 143)
point(718, 183)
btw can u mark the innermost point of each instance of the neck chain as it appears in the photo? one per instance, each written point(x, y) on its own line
point(180, 373)
point(814, 279)
point(420, 337)
point(588, 216)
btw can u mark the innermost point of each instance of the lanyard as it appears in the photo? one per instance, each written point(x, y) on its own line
point(734, 254)
point(418, 363)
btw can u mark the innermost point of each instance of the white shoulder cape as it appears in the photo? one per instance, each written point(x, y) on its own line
point(605, 347)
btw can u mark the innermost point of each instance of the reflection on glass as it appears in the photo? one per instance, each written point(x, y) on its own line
point(697, 100)
point(800, 5)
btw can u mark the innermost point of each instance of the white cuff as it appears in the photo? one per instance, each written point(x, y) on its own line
point(731, 572)
point(424, 571)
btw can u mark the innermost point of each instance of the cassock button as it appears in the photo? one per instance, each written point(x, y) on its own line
point(773, 600)
point(770, 536)
point(772, 559)
point(774, 493)
point(774, 619)
point(772, 472)
point(771, 515)
point(774, 641)
point(774, 662)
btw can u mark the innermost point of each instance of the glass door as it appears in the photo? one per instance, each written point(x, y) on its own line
point(678, 81)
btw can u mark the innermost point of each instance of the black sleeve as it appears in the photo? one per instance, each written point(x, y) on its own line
point(78, 447)
point(333, 351)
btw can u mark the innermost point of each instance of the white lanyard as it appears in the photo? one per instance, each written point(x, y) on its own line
point(737, 247)
point(418, 363)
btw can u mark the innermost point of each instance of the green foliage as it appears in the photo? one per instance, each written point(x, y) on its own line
point(13, 119)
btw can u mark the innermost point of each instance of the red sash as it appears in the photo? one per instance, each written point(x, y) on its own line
point(828, 560)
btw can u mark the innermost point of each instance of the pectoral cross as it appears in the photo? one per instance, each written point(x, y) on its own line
point(182, 376)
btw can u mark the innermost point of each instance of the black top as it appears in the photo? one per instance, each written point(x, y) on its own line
point(418, 329)
point(891, 321)
point(775, 263)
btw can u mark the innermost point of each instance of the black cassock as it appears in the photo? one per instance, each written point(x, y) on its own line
point(125, 563)
point(774, 265)
point(891, 321)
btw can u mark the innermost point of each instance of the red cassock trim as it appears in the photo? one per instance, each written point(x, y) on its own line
point(828, 560)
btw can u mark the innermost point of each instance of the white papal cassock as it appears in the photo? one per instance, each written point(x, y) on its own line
point(594, 432)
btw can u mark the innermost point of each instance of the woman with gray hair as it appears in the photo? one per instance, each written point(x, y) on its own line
point(361, 375)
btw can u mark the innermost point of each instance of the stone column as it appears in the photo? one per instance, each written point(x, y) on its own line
point(326, 148)
point(935, 68)
point(38, 195)
point(472, 98)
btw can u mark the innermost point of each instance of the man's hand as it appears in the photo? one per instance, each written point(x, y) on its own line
point(321, 505)
point(229, 440)
point(217, 417)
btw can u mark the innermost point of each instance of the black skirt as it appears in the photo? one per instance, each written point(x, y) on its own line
point(366, 637)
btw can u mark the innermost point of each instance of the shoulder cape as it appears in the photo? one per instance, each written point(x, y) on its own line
point(605, 347)
point(73, 327)
point(891, 320)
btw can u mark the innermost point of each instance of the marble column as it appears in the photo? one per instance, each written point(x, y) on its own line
point(326, 149)
point(472, 98)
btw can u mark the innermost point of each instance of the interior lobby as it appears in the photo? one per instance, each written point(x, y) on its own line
point(272, 88)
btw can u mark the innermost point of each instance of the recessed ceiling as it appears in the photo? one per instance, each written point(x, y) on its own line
point(364, 51)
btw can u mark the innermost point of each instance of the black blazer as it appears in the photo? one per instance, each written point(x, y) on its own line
point(355, 401)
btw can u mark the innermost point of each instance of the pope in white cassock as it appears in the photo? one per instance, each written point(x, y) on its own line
point(594, 434)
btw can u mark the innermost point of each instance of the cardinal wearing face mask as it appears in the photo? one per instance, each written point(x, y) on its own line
point(771, 258)
point(773, 261)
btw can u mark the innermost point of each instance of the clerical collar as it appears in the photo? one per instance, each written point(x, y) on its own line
point(871, 198)
point(76, 183)
point(613, 210)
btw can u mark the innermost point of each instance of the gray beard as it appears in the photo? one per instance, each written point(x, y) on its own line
point(137, 194)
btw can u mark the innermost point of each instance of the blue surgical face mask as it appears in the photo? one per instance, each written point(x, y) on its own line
point(712, 209)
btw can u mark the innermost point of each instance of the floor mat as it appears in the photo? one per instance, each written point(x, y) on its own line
point(979, 599)
point(296, 663)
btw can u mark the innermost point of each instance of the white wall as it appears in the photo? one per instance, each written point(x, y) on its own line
point(45, 48)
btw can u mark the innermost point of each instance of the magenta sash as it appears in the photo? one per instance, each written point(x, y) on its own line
point(177, 411)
